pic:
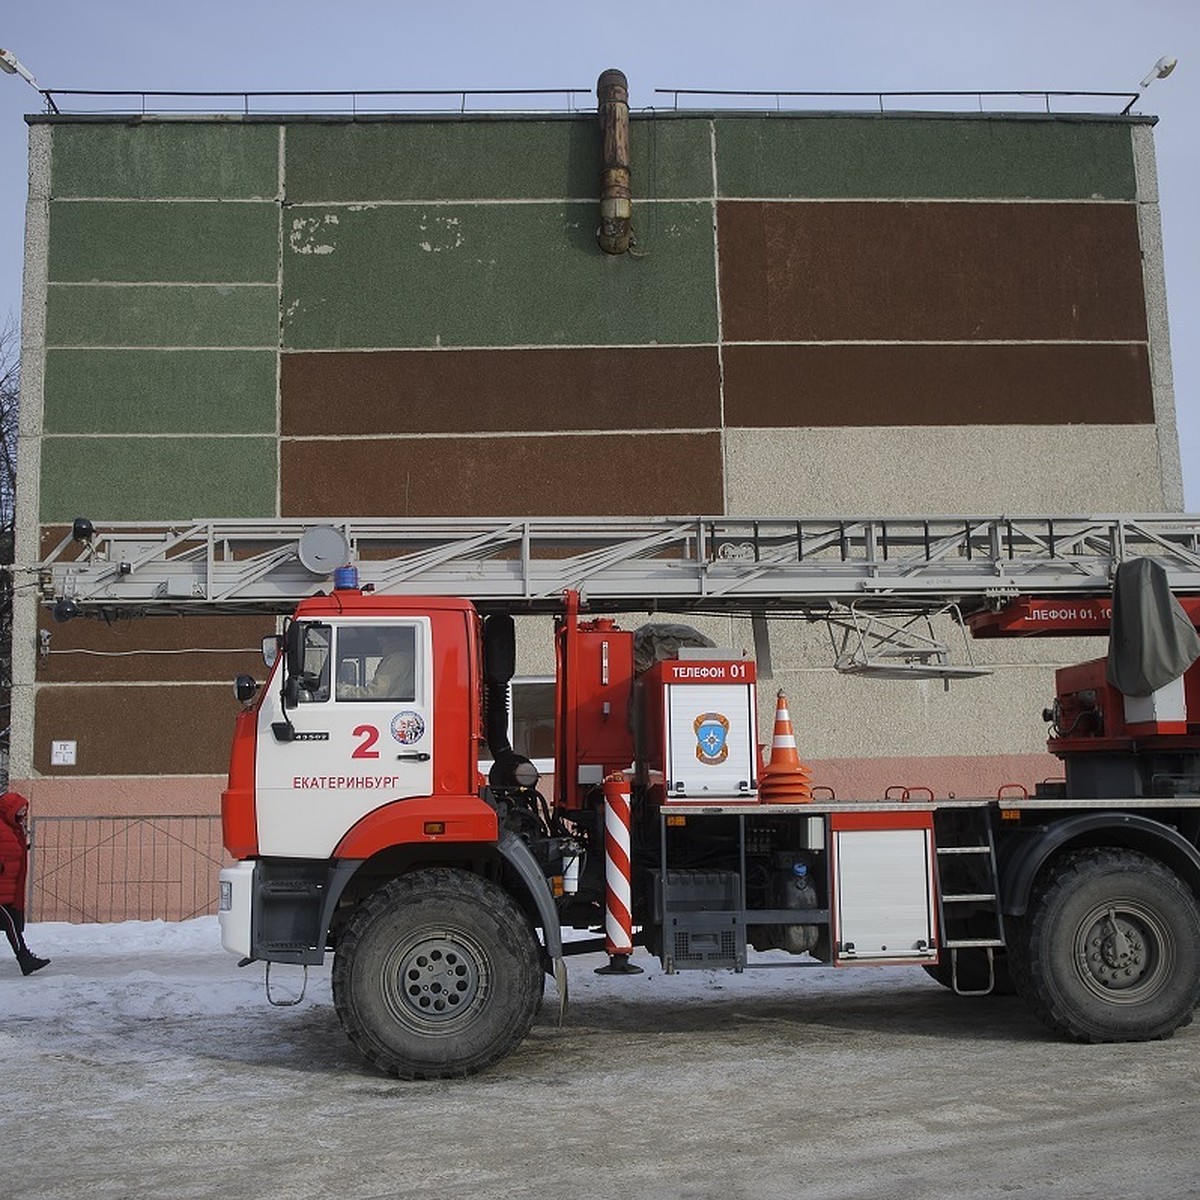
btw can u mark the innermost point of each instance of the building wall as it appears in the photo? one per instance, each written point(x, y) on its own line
point(310, 317)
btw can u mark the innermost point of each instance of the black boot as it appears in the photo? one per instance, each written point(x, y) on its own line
point(30, 962)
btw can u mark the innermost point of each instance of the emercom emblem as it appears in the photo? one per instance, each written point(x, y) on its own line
point(712, 732)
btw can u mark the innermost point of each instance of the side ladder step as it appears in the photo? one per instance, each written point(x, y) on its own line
point(991, 975)
point(969, 915)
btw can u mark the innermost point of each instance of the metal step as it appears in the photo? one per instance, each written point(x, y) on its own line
point(969, 865)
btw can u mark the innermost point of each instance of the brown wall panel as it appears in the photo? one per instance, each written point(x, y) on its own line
point(850, 271)
point(937, 385)
point(153, 648)
point(52, 535)
point(129, 730)
point(650, 474)
point(469, 391)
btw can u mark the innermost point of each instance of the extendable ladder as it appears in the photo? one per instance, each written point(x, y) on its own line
point(806, 566)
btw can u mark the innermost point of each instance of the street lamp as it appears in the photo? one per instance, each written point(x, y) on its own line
point(1160, 70)
point(10, 64)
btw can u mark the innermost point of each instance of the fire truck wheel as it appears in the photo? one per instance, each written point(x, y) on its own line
point(437, 975)
point(1113, 948)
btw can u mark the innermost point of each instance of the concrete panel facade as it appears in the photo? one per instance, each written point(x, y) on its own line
point(304, 316)
point(935, 469)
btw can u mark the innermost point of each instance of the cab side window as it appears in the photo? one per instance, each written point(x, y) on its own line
point(377, 662)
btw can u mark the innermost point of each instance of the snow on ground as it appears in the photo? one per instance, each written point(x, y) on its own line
point(144, 1063)
point(152, 959)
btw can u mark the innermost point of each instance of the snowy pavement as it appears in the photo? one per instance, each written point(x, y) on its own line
point(144, 1063)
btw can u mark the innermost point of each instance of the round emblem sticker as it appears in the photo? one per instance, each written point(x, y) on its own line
point(712, 731)
point(408, 727)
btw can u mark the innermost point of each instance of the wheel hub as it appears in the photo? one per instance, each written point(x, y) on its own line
point(1120, 951)
point(437, 979)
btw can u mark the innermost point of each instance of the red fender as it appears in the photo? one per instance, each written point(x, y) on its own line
point(416, 820)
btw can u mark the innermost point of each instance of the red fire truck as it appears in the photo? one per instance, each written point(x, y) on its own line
point(364, 825)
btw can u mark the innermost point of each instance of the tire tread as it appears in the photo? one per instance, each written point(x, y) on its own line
point(452, 884)
point(1030, 973)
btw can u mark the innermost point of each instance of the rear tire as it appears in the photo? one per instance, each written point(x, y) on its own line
point(1112, 948)
point(437, 975)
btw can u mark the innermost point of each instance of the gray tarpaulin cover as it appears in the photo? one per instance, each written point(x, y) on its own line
point(653, 643)
point(1152, 640)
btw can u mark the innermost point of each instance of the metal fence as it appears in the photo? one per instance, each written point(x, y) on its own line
point(139, 868)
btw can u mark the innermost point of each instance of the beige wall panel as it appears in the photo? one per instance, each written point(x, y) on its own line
point(840, 716)
point(987, 470)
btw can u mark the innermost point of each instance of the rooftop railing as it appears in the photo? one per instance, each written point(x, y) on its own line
point(480, 101)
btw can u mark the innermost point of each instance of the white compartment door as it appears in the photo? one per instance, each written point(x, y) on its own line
point(884, 895)
point(711, 739)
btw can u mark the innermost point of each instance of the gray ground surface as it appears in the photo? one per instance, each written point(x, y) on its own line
point(162, 1072)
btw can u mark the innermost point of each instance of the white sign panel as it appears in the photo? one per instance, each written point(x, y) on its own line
point(711, 740)
point(62, 754)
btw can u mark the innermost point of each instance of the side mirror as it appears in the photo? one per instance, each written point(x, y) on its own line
point(244, 688)
point(294, 648)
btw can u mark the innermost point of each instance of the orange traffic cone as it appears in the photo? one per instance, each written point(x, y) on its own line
point(785, 779)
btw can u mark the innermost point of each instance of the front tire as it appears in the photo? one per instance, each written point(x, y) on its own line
point(437, 975)
point(1111, 948)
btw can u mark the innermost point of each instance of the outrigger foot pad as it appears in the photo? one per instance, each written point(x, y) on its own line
point(619, 964)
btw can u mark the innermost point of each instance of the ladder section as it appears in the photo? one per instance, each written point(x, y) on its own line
point(809, 566)
point(969, 913)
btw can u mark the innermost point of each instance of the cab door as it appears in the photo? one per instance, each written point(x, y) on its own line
point(360, 736)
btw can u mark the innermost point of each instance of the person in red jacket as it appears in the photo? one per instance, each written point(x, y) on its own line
point(14, 863)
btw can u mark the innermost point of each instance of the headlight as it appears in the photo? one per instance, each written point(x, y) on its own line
point(225, 900)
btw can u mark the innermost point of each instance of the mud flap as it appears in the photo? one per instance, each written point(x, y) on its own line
point(520, 858)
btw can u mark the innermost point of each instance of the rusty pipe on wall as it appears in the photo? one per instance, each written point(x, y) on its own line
point(616, 207)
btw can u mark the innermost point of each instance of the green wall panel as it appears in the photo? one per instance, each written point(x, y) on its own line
point(669, 159)
point(168, 243)
point(145, 479)
point(166, 159)
point(98, 315)
point(160, 391)
point(493, 275)
point(443, 160)
point(945, 158)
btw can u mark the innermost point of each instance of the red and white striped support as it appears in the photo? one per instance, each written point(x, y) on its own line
point(618, 900)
